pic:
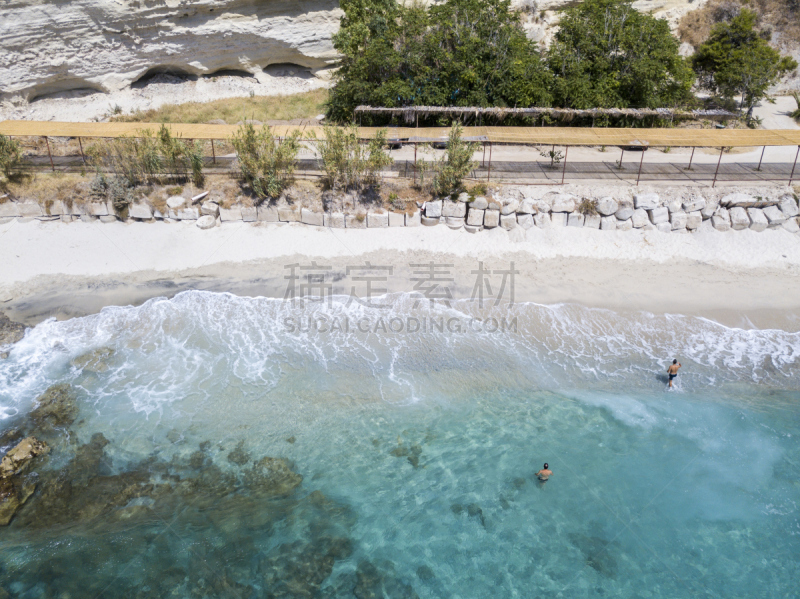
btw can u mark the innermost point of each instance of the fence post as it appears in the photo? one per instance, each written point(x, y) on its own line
point(639, 174)
point(213, 153)
point(791, 177)
point(621, 156)
point(80, 145)
point(722, 149)
point(762, 158)
point(489, 176)
point(688, 168)
point(47, 141)
point(564, 168)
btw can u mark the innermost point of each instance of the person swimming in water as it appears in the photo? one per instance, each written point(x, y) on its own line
point(544, 473)
point(672, 371)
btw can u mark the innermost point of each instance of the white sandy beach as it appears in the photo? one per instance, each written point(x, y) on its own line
point(50, 268)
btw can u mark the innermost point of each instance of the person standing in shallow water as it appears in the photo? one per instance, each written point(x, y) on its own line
point(672, 371)
point(544, 473)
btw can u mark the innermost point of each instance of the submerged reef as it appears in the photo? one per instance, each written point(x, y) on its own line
point(188, 526)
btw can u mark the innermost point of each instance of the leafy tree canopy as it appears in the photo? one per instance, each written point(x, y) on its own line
point(458, 53)
point(737, 61)
point(606, 54)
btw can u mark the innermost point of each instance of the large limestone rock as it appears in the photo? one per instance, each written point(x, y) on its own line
point(105, 45)
point(17, 460)
point(739, 218)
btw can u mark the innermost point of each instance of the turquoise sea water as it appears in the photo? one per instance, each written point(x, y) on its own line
point(417, 452)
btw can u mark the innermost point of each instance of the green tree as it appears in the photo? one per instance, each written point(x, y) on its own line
point(460, 52)
point(737, 61)
point(607, 54)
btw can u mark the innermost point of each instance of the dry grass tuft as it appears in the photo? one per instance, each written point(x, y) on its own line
point(45, 188)
point(232, 110)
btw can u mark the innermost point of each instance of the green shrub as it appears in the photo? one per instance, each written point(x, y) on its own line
point(10, 155)
point(796, 114)
point(347, 162)
point(149, 158)
point(455, 165)
point(266, 163)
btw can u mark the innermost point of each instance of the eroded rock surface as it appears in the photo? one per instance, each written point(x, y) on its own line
point(100, 45)
point(10, 332)
point(15, 489)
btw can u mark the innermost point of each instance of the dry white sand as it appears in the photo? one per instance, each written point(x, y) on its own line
point(50, 268)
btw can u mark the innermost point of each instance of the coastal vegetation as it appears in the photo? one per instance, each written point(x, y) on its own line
point(736, 61)
point(265, 163)
point(305, 105)
point(10, 155)
point(350, 164)
point(605, 54)
point(149, 158)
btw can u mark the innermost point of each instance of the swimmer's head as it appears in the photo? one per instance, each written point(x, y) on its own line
point(545, 467)
point(675, 361)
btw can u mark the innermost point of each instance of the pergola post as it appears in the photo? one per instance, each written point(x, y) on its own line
point(791, 177)
point(489, 175)
point(47, 141)
point(762, 158)
point(621, 156)
point(415, 163)
point(639, 174)
point(714, 183)
point(564, 168)
point(80, 145)
point(213, 153)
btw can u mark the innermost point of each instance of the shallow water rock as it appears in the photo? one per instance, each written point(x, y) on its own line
point(56, 408)
point(239, 456)
point(272, 477)
point(94, 361)
point(298, 569)
point(597, 552)
point(18, 459)
point(10, 332)
point(374, 583)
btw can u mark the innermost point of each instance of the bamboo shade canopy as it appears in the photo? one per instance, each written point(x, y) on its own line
point(559, 136)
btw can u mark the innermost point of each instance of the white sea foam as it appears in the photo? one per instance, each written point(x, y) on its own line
point(203, 337)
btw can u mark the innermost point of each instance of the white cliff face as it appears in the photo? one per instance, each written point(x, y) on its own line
point(51, 46)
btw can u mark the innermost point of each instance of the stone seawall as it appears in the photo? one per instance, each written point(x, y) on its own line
point(678, 210)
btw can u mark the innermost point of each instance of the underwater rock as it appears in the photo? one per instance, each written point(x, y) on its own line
point(298, 569)
point(380, 584)
point(596, 552)
point(94, 361)
point(411, 452)
point(425, 573)
point(473, 511)
point(291, 440)
point(55, 408)
point(239, 456)
point(10, 332)
point(272, 477)
point(10, 438)
point(19, 458)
